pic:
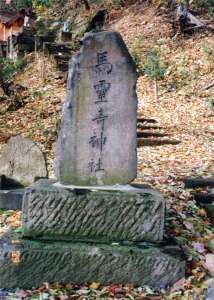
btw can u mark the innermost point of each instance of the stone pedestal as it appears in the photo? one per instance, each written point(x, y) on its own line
point(85, 235)
point(108, 214)
point(30, 263)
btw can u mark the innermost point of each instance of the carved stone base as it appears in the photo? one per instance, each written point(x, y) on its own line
point(124, 213)
point(30, 263)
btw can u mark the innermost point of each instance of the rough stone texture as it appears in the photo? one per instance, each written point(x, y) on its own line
point(22, 160)
point(57, 213)
point(11, 199)
point(31, 263)
point(209, 208)
point(210, 291)
point(97, 140)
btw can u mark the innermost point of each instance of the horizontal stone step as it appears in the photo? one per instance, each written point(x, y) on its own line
point(143, 142)
point(126, 213)
point(30, 263)
point(141, 119)
point(62, 67)
point(145, 134)
point(58, 48)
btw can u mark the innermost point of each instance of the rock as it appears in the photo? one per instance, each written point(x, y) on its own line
point(22, 160)
point(30, 263)
point(95, 146)
point(206, 201)
point(11, 199)
point(210, 210)
point(210, 291)
point(66, 36)
point(131, 214)
point(7, 183)
point(2, 181)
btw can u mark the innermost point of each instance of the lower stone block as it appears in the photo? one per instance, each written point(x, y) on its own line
point(11, 199)
point(131, 214)
point(30, 263)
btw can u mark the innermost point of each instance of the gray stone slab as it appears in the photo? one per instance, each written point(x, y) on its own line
point(97, 140)
point(22, 160)
point(11, 199)
point(51, 212)
point(31, 263)
point(210, 291)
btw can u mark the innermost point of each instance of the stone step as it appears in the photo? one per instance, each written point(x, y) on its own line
point(62, 57)
point(142, 142)
point(145, 134)
point(54, 48)
point(125, 213)
point(62, 67)
point(28, 264)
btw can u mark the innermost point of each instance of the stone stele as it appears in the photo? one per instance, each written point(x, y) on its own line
point(22, 160)
point(97, 140)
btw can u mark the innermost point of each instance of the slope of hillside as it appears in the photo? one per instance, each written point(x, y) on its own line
point(184, 108)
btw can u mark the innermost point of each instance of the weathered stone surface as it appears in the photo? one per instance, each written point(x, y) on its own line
point(31, 263)
point(11, 199)
point(207, 203)
point(57, 213)
point(210, 291)
point(97, 140)
point(22, 160)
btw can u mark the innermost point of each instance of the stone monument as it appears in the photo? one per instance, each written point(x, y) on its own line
point(92, 225)
point(97, 140)
point(22, 160)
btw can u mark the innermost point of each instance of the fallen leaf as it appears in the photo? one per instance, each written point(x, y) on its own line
point(179, 285)
point(209, 262)
point(94, 285)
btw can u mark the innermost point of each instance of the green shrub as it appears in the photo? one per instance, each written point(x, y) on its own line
point(137, 52)
point(153, 68)
point(199, 4)
point(8, 68)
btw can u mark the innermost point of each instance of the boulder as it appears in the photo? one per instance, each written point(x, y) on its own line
point(22, 160)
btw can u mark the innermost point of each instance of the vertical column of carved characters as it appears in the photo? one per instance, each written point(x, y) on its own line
point(98, 139)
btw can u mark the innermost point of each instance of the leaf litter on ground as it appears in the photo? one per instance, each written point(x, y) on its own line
point(183, 110)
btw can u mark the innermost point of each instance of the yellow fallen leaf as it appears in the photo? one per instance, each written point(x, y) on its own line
point(16, 257)
point(94, 285)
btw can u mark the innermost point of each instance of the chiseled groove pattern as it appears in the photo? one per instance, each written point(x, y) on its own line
point(94, 215)
point(79, 264)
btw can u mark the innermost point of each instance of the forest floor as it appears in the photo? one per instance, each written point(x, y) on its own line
point(184, 110)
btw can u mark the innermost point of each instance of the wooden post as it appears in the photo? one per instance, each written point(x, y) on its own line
point(156, 89)
point(35, 47)
point(11, 46)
